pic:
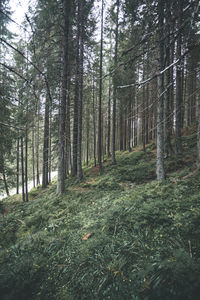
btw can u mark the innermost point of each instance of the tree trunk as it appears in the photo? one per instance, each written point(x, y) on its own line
point(179, 96)
point(80, 103)
point(37, 146)
point(94, 122)
point(50, 151)
point(5, 181)
point(76, 97)
point(22, 168)
point(17, 189)
point(68, 131)
point(115, 88)
point(160, 109)
point(129, 123)
point(169, 83)
point(100, 96)
point(26, 165)
point(62, 108)
point(87, 131)
point(198, 135)
point(109, 118)
point(33, 155)
point(46, 145)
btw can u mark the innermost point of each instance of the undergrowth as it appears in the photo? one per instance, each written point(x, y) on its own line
point(121, 235)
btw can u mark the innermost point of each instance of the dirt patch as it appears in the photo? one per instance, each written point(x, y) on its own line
point(93, 171)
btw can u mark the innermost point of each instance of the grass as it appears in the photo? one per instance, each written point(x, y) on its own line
point(121, 235)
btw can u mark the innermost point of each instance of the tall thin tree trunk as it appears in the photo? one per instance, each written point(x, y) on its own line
point(76, 96)
point(4, 180)
point(62, 108)
point(50, 151)
point(17, 188)
point(198, 135)
point(169, 83)
point(109, 117)
point(160, 109)
point(115, 88)
point(37, 146)
point(179, 96)
point(100, 96)
point(26, 165)
point(46, 145)
point(22, 168)
point(33, 155)
point(87, 131)
point(129, 122)
point(68, 131)
point(80, 104)
point(94, 122)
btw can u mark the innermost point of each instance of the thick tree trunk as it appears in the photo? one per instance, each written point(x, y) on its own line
point(62, 108)
point(160, 109)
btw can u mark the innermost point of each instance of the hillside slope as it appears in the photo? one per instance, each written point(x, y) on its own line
point(121, 235)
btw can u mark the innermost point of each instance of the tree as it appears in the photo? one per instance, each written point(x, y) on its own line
point(160, 112)
point(115, 87)
point(100, 94)
point(62, 108)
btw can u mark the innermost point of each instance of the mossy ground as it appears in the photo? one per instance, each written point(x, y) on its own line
point(121, 235)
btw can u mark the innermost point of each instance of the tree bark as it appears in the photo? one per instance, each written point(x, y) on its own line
point(22, 168)
point(160, 109)
point(45, 178)
point(109, 119)
point(62, 108)
point(17, 188)
point(76, 97)
point(4, 179)
point(26, 165)
point(115, 87)
point(33, 155)
point(80, 102)
point(94, 122)
point(37, 146)
point(169, 84)
point(179, 96)
point(100, 96)
point(198, 135)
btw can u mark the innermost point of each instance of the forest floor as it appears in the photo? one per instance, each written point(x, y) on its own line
point(121, 235)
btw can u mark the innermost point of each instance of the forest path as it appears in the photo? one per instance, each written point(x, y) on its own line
point(30, 186)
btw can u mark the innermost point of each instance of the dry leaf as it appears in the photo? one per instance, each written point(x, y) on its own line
point(87, 236)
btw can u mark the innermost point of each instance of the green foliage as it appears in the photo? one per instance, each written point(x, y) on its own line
point(143, 236)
